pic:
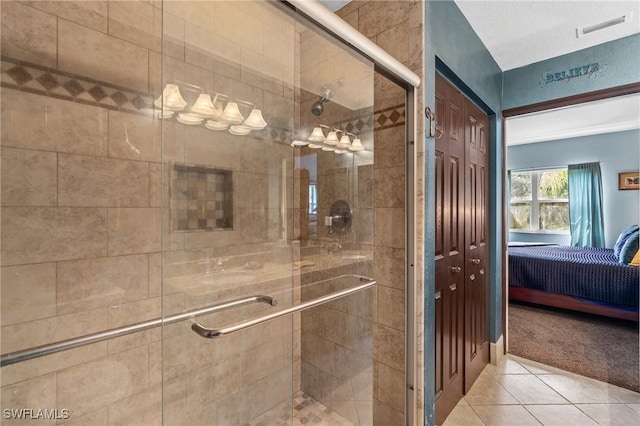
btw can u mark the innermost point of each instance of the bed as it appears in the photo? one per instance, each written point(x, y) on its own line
point(577, 278)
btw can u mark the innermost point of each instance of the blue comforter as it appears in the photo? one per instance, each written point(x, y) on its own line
point(583, 272)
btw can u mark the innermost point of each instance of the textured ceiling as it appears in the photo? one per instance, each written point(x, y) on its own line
point(518, 33)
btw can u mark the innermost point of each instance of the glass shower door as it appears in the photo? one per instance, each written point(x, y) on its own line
point(244, 85)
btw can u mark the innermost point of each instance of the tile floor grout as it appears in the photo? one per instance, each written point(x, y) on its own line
point(524, 392)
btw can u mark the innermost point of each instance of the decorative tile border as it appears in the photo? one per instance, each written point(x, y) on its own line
point(32, 78)
point(44, 81)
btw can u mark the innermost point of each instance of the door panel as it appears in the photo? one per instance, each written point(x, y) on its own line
point(476, 295)
point(449, 260)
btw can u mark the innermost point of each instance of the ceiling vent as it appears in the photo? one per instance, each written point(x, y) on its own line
point(583, 31)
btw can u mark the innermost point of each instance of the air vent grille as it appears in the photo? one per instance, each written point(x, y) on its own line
point(583, 31)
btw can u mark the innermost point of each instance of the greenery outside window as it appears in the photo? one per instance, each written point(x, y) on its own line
point(539, 201)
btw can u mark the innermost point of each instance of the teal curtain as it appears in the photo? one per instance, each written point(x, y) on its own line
point(585, 205)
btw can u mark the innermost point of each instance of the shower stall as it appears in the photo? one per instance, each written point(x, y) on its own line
point(203, 218)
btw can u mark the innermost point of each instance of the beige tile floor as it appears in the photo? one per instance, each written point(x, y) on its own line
point(523, 392)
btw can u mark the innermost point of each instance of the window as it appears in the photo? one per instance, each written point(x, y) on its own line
point(539, 201)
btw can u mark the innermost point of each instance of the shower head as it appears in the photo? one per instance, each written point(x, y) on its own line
point(318, 107)
point(327, 92)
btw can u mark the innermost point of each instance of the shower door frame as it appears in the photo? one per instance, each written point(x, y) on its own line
point(390, 68)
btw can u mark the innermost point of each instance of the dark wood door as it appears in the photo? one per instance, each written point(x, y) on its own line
point(450, 249)
point(476, 343)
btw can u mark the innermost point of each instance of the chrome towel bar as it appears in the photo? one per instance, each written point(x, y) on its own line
point(63, 345)
point(211, 333)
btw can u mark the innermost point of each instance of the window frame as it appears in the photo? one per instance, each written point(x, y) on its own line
point(535, 202)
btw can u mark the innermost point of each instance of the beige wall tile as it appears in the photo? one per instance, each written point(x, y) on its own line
point(134, 230)
point(86, 388)
point(27, 335)
point(385, 415)
point(375, 17)
point(134, 137)
point(97, 418)
point(173, 35)
point(395, 41)
point(29, 178)
point(92, 181)
point(389, 346)
point(391, 386)
point(96, 55)
point(391, 307)
point(28, 292)
point(38, 393)
point(32, 368)
point(92, 283)
point(144, 408)
point(208, 50)
point(390, 228)
point(28, 34)
point(132, 312)
point(158, 188)
point(198, 13)
point(390, 187)
point(92, 13)
point(388, 266)
point(48, 124)
point(136, 22)
point(45, 234)
point(155, 274)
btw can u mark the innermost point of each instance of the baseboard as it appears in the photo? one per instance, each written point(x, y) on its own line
point(496, 351)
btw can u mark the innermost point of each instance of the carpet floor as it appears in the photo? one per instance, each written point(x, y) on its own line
point(602, 348)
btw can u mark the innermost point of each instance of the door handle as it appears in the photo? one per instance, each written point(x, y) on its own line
point(475, 261)
point(456, 269)
point(453, 287)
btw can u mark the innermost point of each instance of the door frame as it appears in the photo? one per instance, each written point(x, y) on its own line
point(596, 95)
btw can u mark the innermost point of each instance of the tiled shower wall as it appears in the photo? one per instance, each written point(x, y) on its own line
point(82, 221)
point(397, 27)
point(82, 227)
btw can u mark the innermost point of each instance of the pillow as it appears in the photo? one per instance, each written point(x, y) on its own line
point(622, 238)
point(630, 248)
point(636, 259)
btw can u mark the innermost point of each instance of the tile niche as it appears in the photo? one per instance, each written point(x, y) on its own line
point(201, 198)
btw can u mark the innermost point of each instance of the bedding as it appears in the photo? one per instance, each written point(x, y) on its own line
point(591, 274)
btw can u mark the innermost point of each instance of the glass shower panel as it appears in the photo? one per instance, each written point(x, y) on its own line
point(252, 214)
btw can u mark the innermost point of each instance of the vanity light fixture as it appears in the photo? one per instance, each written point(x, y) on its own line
point(205, 107)
point(356, 145)
point(345, 142)
point(332, 137)
point(317, 135)
point(255, 121)
point(171, 99)
point(231, 114)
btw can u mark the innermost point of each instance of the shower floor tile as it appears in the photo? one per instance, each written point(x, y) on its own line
point(306, 411)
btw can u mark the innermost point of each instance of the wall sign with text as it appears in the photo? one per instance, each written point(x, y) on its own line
point(571, 73)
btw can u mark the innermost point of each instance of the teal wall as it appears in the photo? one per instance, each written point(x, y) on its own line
point(617, 152)
point(618, 64)
point(449, 37)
